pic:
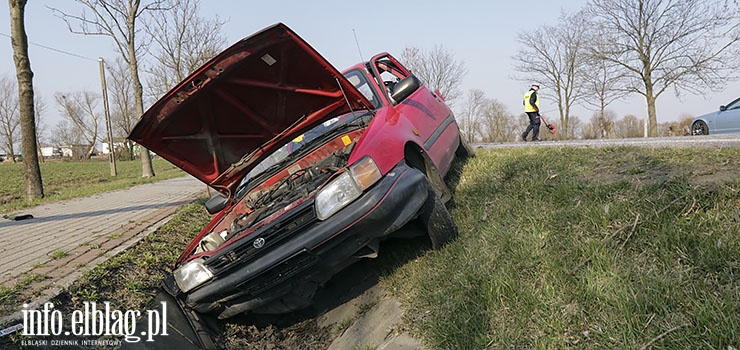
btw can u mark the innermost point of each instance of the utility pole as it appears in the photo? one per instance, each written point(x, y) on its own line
point(111, 147)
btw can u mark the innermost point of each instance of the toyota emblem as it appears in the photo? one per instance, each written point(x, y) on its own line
point(258, 243)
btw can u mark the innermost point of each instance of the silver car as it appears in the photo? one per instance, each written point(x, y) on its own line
point(724, 121)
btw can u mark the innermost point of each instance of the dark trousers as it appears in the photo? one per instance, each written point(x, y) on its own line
point(534, 126)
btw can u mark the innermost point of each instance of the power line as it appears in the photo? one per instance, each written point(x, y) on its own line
point(55, 50)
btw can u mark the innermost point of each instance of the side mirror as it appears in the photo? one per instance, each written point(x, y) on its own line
point(216, 204)
point(405, 87)
point(722, 108)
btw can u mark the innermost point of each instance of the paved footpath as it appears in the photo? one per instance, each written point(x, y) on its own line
point(64, 239)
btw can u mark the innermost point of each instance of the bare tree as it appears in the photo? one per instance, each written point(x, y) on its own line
point(681, 127)
point(470, 123)
point(182, 42)
point(575, 127)
point(122, 110)
point(498, 124)
point(39, 108)
point(10, 118)
point(117, 19)
point(556, 56)
point(66, 134)
point(589, 131)
point(689, 45)
point(80, 109)
point(604, 85)
point(601, 125)
point(628, 127)
point(437, 68)
point(31, 169)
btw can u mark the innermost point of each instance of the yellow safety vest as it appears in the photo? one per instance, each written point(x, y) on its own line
point(528, 106)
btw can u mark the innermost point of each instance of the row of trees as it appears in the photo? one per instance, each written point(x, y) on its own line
point(607, 51)
point(483, 119)
point(613, 48)
point(170, 32)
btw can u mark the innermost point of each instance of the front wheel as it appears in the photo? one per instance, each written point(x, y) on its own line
point(438, 222)
point(699, 128)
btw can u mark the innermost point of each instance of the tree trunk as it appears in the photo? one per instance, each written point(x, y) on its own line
point(31, 168)
point(130, 147)
point(11, 151)
point(650, 99)
point(602, 122)
point(9, 136)
point(90, 151)
point(146, 161)
point(652, 117)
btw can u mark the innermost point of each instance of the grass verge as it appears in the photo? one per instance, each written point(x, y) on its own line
point(11, 295)
point(588, 248)
point(65, 180)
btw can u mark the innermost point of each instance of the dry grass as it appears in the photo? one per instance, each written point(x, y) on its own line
point(587, 248)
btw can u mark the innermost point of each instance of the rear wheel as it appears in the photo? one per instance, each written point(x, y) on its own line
point(699, 128)
point(438, 222)
point(464, 151)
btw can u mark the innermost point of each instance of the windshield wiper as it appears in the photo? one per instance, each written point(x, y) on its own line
point(361, 121)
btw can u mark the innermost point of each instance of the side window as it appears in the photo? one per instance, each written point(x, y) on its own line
point(734, 104)
point(390, 73)
point(359, 80)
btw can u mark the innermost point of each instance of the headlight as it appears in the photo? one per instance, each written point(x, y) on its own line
point(191, 275)
point(346, 187)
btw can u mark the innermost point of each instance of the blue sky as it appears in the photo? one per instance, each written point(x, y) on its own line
point(479, 33)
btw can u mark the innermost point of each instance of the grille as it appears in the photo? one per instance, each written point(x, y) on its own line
point(279, 273)
point(270, 235)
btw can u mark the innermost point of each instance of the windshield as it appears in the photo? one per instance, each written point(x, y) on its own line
point(283, 152)
point(358, 79)
point(274, 159)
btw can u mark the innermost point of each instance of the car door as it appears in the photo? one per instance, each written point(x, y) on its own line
point(728, 120)
point(424, 109)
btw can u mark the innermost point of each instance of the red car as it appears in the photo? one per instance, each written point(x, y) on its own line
point(314, 167)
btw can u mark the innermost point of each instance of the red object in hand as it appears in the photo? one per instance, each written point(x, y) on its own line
point(551, 127)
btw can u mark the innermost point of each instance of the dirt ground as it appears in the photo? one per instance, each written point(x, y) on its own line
point(352, 311)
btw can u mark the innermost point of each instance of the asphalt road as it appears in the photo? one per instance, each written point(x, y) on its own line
point(717, 141)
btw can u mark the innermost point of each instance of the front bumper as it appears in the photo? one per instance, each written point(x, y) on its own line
point(314, 250)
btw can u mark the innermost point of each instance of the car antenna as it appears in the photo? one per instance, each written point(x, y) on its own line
point(357, 42)
point(358, 45)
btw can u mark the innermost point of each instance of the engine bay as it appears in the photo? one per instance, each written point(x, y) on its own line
point(282, 189)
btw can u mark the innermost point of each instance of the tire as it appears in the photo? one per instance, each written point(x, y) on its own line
point(464, 151)
point(437, 221)
point(699, 128)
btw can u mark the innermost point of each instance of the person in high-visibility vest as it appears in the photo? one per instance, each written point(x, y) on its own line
point(532, 109)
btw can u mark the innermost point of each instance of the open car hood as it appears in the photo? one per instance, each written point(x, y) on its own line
point(244, 104)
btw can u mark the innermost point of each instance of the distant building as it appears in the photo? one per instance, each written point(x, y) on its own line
point(74, 151)
point(117, 145)
point(51, 152)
